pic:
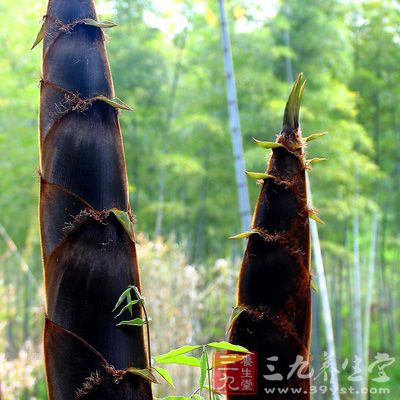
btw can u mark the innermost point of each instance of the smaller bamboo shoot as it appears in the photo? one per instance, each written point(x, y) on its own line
point(274, 288)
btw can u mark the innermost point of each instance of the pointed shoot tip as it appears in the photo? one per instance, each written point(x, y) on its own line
point(292, 109)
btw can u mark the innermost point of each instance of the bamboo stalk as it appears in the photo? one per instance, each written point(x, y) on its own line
point(233, 108)
point(358, 338)
point(326, 310)
point(370, 287)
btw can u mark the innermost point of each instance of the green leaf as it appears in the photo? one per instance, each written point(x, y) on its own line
point(99, 24)
point(302, 90)
point(177, 352)
point(228, 346)
point(129, 299)
point(268, 145)
point(133, 322)
point(128, 307)
point(203, 368)
point(165, 375)
point(314, 136)
point(123, 296)
point(316, 160)
point(115, 102)
point(234, 316)
point(181, 360)
point(258, 175)
point(125, 220)
point(137, 293)
point(144, 373)
point(313, 215)
point(39, 37)
point(314, 286)
point(244, 235)
point(292, 109)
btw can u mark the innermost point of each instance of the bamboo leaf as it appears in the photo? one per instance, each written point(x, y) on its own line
point(123, 296)
point(268, 145)
point(176, 398)
point(291, 115)
point(316, 160)
point(99, 24)
point(234, 316)
point(177, 352)
point(258, 175)
point(302, 90)
point(314, 286)
point(128, 307)
point(125, 220)
point(115, 102)
point(165, 375)
point(132, 322)
point(144, 373)
point(39, 37)
point(244, 235)
point(181, 360)
point(314, 136)
point(129, 299)
point(137, 293)
point(203, 368)
point(313, 215)
point(228, 346)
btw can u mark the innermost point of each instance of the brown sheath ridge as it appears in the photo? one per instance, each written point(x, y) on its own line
point(274, 296)
point(89, 257)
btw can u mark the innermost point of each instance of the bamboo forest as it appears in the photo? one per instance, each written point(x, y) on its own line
point(198, 199)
